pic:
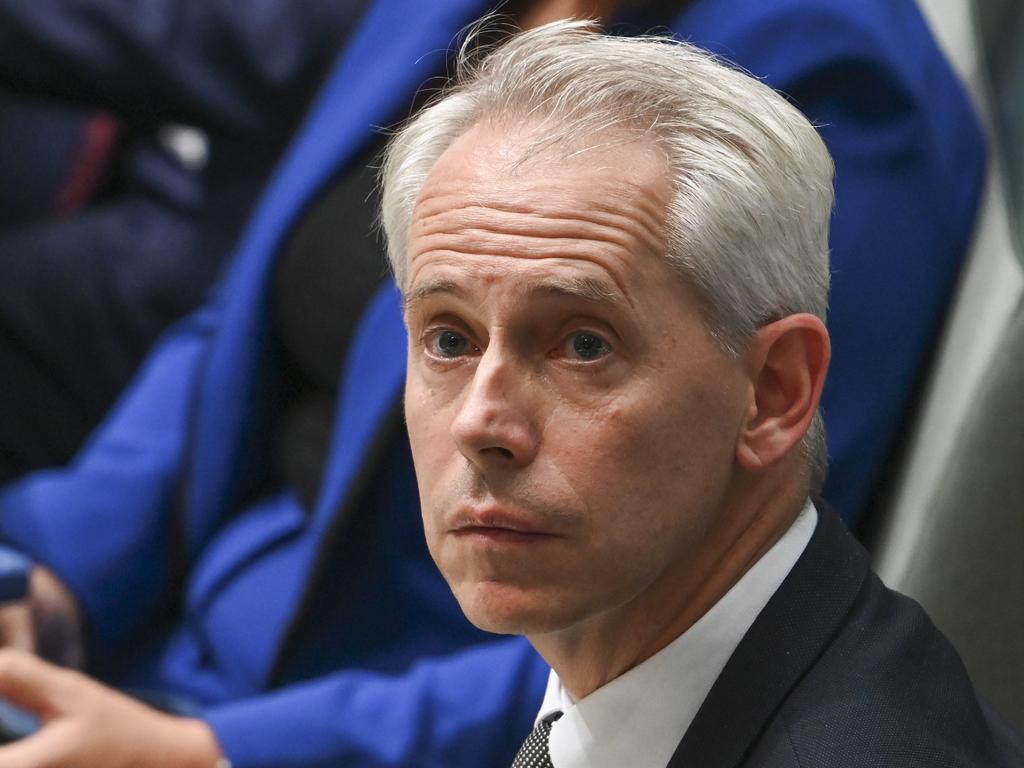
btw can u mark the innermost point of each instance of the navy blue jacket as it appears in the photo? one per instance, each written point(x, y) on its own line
point(837, 670)
point(207, 584)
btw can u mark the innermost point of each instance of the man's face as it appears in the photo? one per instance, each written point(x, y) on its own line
point(573, 424)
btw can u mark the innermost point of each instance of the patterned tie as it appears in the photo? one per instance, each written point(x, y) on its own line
point(535, 753)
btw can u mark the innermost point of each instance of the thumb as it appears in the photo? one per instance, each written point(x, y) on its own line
point(28, 682)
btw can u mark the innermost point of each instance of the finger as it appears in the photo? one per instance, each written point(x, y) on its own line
point(42, 750)
point(28, 682)
point(56, 622)
point(16, 627)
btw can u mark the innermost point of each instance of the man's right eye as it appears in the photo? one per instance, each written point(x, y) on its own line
point(449, 344)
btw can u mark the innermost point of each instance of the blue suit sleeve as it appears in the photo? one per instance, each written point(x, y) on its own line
point(110, 512)
point(242, 69)
point(466, 710)
point(910, 160)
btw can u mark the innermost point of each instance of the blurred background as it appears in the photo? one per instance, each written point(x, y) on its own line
point(951, 531)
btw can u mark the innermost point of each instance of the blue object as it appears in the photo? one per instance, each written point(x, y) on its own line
point(308, 639)
point(15, 723)
point(14, 573)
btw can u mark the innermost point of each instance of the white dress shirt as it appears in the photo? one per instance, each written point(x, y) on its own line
point(638, 718)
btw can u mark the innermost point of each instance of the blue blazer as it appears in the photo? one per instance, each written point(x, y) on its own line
point(197, 579)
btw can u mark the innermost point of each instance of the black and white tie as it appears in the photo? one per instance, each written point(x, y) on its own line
point(535, 752)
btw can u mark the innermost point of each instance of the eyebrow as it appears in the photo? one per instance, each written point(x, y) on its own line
point(429, 289)
point(584, 288)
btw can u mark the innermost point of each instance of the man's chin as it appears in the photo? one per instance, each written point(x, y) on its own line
point(508, 609)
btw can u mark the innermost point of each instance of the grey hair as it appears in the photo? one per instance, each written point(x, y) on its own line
point(747, 225)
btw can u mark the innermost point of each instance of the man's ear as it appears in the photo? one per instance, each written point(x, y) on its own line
point(787, 362)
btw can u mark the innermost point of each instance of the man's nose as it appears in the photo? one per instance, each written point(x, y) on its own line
point(495, 427)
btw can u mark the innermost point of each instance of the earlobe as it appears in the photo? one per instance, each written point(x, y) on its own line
point(787, 361)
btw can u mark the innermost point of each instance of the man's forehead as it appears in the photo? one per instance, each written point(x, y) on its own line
point(585, 226)
point(606, 207)
point(457, 280)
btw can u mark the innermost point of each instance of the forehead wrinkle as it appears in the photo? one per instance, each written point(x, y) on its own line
point(588, 289)
point(494, 190)
point(601, 226)
point(472, 207)
point(510, 231)
point(476, 246)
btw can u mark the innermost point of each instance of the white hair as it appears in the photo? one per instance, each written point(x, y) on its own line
point(747, 223)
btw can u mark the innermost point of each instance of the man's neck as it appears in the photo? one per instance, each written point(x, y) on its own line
point(593, 652)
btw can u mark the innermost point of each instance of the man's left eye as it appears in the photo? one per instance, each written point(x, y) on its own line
point(585, 345)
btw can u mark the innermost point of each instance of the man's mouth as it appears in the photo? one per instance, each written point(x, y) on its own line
point(496, 525)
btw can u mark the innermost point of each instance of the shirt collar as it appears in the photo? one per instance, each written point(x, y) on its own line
point(638, 718)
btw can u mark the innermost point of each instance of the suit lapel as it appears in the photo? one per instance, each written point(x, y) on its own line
point(402, 42)
point(783, 643)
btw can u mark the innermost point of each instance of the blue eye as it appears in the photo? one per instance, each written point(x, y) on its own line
point(588, 346)
point(449, 344)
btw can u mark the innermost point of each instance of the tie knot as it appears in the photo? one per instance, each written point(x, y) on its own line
point(535, 752)
point(550, 718)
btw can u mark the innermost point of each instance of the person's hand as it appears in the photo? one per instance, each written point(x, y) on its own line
point(48, 622)
point(16, 627)
point(87, 725)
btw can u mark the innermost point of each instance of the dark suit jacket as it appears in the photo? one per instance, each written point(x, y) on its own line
point(838, 670)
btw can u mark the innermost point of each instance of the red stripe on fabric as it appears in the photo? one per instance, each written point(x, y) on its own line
point(88, 169)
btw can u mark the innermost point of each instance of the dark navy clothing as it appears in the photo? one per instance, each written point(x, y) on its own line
point(837, 670)
point(214, 581)
point(97, 268)
point(244, 74)
point(99, 253)
point(41, 146)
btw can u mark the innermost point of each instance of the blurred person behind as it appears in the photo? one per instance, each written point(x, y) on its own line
point(134, 141)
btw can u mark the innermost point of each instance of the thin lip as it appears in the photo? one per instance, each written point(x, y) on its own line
point(481, 520)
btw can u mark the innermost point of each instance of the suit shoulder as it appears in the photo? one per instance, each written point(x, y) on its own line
point(889, 687)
